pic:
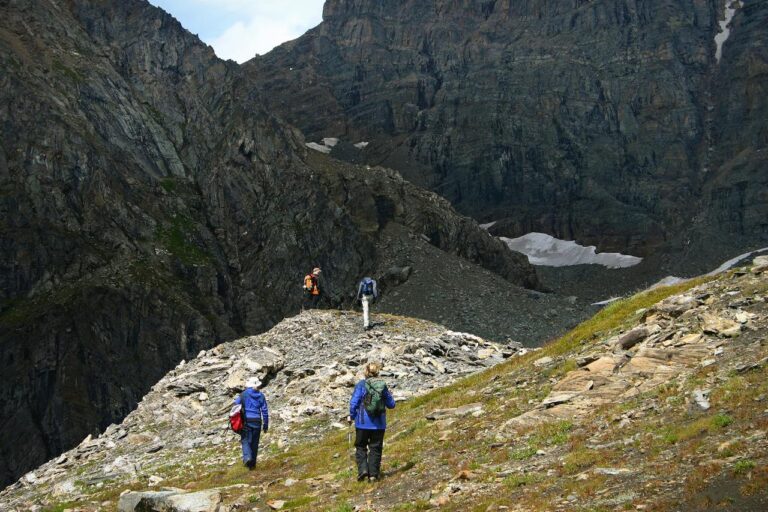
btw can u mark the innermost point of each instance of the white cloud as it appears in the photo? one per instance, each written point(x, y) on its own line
point(264, 24)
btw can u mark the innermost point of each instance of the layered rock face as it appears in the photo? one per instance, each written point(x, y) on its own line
point(150, 208)
point(608, 122)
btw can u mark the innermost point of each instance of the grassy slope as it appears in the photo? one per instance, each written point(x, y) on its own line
point(488, 470)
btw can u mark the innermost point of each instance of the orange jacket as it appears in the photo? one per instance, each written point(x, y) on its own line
point(310, 284)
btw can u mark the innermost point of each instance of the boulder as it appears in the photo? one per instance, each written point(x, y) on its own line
point(633, 337)
point(760, 264)
point(171, 501)
point(714, 324)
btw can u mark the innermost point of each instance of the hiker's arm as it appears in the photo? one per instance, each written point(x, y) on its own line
point(389, 400)
point(265, 416)
point(354, 403)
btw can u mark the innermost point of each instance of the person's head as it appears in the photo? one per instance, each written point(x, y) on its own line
point(372, 370)
point(316, 271)
point(253, 383)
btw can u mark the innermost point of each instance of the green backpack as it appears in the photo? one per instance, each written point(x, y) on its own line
point(374, 396)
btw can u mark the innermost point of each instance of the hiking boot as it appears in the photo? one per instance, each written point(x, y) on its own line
point(362, 477)
point(373, 479)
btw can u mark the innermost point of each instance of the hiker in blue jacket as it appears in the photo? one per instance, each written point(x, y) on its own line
point(256, 420)
point(367, 292)
point(370, 394)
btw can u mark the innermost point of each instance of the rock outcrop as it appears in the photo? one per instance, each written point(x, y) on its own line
point(309, 364)
point(150, 208)
point(608, 122)
point(656, 404)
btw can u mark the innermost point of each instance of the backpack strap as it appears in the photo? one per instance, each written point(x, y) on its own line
point(242, 406)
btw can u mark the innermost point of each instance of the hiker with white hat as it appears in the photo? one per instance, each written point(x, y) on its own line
point(256, 419)
point(312, 289)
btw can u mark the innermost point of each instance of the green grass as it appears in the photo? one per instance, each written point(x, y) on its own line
point(168, 184)
point(70, 73)
point(298, 502)
point(521, 480)
point(615, 315)
point(697, 428)
point(743, 466)
point(178, 237)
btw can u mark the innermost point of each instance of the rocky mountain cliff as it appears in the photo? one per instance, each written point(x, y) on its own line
point(615, 123)
point(150, 207)
point(657, 403)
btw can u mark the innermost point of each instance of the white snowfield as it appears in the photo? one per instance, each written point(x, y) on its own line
point(319, 147)
point(670, 280)
point(725, 28)
point(329, 143)
point(548, 251)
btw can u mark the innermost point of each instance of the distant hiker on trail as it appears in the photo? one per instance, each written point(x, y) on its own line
point(256, 419)
point(311, 289)
point(368, 409)
point(367, 292)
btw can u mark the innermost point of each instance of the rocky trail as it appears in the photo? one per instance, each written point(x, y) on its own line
point(309, 364)
point(659, 402)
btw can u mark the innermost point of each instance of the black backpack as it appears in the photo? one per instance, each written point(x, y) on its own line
point(367, 286)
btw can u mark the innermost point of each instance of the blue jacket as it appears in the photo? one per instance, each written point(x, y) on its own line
point(255, 407)
point(357, 410)
point(374, 289)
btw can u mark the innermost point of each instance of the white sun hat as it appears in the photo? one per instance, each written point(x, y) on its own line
point(253, 382)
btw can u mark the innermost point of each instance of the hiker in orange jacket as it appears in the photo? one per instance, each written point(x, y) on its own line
point(312, 289)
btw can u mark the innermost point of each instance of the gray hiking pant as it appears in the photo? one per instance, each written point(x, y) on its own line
point(368, 447)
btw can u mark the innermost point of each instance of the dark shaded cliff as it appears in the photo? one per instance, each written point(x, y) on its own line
point(609, 122)
point(150, 208)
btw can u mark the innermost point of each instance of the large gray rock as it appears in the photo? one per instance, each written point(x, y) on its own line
point(171, 501)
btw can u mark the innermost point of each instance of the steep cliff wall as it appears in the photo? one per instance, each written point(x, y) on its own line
point(150, 208)
point(610, 122)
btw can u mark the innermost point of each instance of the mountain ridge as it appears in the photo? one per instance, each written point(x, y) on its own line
point(150, 207)
point(655, 404)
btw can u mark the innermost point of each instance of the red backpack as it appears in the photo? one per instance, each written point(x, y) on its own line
point(237, 415)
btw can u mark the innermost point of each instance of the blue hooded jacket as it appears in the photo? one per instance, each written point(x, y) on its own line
point(363, 420)
point(255, 407)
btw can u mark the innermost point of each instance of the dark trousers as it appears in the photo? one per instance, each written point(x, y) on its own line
point(368, 447)
point(249, 440)
point(311, 301)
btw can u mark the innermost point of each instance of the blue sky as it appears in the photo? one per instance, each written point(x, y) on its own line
point(240, 29)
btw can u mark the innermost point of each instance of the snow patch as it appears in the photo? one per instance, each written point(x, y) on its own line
point(733, 261)
point(361, 145)
point(606, 302)
point(488, 226)
point(330, 141)
point(725, 29)
point(670, 280)
point(318, 147)
point(548, 251)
